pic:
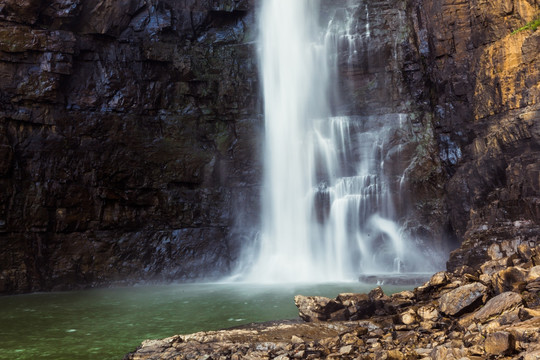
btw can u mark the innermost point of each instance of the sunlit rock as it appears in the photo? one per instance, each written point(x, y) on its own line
point(463, 299)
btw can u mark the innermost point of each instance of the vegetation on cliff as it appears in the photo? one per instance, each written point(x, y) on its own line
point(533, 25)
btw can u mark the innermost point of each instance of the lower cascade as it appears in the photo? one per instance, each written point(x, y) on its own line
point(328, 203)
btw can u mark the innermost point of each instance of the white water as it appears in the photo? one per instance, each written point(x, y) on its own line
point(327, 206)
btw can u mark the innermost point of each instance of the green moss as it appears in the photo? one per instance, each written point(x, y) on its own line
point(533, 25)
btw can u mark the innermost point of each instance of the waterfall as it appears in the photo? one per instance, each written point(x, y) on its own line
point(328, 211)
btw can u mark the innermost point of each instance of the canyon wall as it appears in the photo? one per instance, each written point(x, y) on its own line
point(130, 131)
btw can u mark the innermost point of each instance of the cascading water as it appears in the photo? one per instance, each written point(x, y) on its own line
point(327, 205)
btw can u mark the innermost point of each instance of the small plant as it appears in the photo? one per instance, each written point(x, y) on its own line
point(533, 25)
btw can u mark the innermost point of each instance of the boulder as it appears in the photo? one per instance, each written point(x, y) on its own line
point(359, 306)
point(428, 312)
point(501, 303)
point(494, 266)
point(526, 314)
point(408, 317)
point(316, 308)
point(499, 343)
point(463, 299)
point(510, 279)
point(533, 274)
point(533, 286)
point(439, 279)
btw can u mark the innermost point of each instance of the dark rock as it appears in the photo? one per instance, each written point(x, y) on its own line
point(6, 157)
point(126, 147)
point(359, 306)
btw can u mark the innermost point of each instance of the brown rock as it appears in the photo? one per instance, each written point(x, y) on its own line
point(494, 252)
point(533, 286)
point(316, 308)
point(408, 295)
point(439, 279)
point(377, 294)
point(533, 274)
point(496, 306)
point(346, 350)
point(359, 306)
point(494, 266)
point(530, 355)
point(339, 315)
point(428, 312)
point(526, 314)
point(525, 252)
point(296, 340)
point(525, 331)
point(395, 355)
point(510, 279)
point(500, 343)
point(463, 299)
point(408, 317)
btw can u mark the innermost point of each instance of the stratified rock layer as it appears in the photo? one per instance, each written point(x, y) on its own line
point(486, 91)
point(130, 132)
point(129, 135)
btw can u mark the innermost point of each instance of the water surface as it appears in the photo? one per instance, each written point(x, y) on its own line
point(108, 323)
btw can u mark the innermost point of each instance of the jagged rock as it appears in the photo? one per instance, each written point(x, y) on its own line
point(494, 266)
point(498, 305)
point(408, 317)
point(428, 313)
point(526, 331)
point(500, 343)
point(533, 274)
point(395, 355)
point(526, 314)
point(463, 299)
point(439, 279)
point(316, 308)
point(533, 286)
point(510, 279)
point(531, 355)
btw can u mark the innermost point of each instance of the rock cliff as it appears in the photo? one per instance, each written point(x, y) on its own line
point(128, 138)
point(485, 92)
point(130, 131)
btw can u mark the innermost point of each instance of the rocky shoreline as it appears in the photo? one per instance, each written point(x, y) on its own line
point(491, 313)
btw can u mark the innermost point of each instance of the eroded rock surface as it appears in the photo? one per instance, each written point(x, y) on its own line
point(129, 136)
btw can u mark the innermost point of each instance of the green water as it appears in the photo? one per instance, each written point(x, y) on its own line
point(108, 323)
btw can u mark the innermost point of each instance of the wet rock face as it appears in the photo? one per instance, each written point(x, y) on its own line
point(129, 136)
point(484, 88)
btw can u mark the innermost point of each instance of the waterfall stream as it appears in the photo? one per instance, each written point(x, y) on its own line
point(328, 211)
